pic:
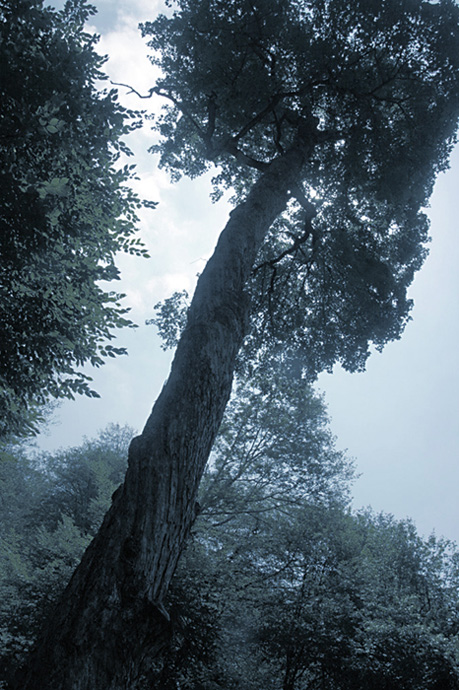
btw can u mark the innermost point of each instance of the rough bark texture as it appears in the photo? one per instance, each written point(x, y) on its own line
point(110, 618)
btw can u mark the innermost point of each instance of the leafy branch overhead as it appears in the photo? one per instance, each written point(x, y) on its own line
point(372, 91)
point(67, 207)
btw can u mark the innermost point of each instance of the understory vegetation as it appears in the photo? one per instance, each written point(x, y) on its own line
point(281, 584)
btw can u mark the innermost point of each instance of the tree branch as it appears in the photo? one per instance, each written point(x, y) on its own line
point(242, 157)
point(156, 90)
point(310, 212)
point(132, 90)
point(211, 116)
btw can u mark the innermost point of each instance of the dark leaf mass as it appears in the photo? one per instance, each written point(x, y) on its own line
point(66, 210)
point(374, 88)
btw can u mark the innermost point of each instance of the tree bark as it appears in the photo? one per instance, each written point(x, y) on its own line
point(111, 616)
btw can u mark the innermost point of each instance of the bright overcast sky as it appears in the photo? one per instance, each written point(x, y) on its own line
point(399, 419)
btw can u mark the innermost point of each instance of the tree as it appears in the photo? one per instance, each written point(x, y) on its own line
point(67, 208)
point(330, 122)
point(286, 593)
point(274, 450)
point(53, 503)
point(51, 506)
point(360, 604)
point(303, 594)
point(260, 476)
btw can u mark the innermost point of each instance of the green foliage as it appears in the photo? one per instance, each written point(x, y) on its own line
point(51, 506)
point(356, 610)
point(317, 598)
point(170, 318)
point(373, 89)
point(280, 585)
point(274, 451)
point(67, 207)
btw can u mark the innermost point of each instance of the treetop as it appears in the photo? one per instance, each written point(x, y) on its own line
point(371, 91)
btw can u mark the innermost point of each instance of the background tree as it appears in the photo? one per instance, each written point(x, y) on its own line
point(353, 607)
point(313, 599)
point(330, 122)
point(275, 589)
point(66, 209)
point(51, 505)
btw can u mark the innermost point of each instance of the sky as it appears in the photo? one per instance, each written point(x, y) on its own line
point(399, 419)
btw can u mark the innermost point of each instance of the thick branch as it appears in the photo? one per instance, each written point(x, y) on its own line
point(242, 157)
point(159, 92)
point(298, 241)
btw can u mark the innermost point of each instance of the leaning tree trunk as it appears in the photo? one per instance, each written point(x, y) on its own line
point(111, 615)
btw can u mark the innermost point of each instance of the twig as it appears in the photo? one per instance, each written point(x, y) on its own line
point(132, 90)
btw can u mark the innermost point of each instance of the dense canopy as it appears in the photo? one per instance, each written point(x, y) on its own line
point(374, 88)
point(66, 207)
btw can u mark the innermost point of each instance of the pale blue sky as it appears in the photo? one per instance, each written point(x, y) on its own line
point(399, 419)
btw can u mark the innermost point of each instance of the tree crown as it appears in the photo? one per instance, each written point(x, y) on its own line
point(371, 90)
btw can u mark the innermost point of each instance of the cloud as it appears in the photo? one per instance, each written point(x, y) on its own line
point(128, 63)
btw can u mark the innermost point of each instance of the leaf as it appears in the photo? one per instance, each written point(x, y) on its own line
point(70, 207)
